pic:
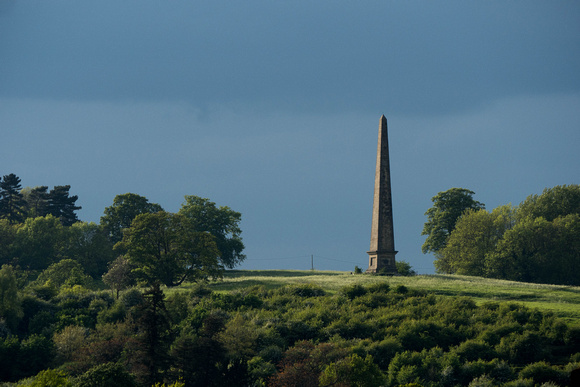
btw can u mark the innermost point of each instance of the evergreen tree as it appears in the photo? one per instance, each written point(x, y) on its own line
point(62, 206)
point(154, 336)
point(36, 201)
point(12, 203)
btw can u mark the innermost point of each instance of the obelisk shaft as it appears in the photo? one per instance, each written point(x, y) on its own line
point(382, 249)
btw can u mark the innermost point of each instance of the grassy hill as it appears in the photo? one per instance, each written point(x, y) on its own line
point(563, 301)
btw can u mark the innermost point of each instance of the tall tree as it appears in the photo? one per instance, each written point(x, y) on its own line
point(36, 200)
point(476, 235)
point(164, 247)
point(89, 245)
point(448, 206)
point(537, 250)
point(221, 222)
point(62, 206)
point(12, 203)
point(7, 237)
point(10, 306)
point(39, 242)
point(558, 201)
point(125, 208)
point(154, 335)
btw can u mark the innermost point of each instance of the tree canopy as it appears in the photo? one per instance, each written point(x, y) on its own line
point(12, 203)
point(124, 209)
point(538, 241)
point(165, 247)
point(221, 222)
point(448, 206)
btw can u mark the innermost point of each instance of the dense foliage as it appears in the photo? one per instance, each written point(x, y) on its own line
point(39, 228)
point(448, 206)
point(538, 241)
point(295, 335)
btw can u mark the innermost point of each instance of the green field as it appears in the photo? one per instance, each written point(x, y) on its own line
point(563, 301)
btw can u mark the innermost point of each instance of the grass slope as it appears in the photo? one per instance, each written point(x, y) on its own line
point(563, 301)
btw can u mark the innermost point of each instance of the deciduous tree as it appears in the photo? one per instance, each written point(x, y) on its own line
point(121, 213)
point(10, 307)
point(448, 206)
point(476, 234)
point(119, 276)
point(221, 222)
point(166, 247)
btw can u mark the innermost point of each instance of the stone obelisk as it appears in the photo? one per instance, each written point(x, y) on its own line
point(382, 251)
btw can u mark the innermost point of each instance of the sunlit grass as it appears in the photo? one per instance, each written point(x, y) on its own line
point(563, 301)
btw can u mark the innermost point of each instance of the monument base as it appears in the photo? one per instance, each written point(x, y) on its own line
point(382, 262)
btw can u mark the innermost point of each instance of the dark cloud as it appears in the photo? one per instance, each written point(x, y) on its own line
point(412, 57)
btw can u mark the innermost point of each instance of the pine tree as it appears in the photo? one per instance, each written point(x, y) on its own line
point(12, 203)
point(62, 206)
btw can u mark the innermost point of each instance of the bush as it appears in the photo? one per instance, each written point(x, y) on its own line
point(379, 287)
point(304, 290)
point(50, 378)
point(108, 374)
point(353, 291)
point(542, 372)
point(405, 269)
point(401, 289)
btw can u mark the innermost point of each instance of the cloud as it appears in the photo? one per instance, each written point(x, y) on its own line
point(412, 57)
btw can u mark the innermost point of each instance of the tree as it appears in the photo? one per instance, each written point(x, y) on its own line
point(536, 250)
point(154, 335)
point(62, 206)
point(165, 247)
point(65, 272)
point(36, 201)
point(12, 203)
point(10, 307)
point(552, 203)
point(353, 371)
point(476, 234)
point(119, 276)
point(107, 374)
point(448, 206)
point(7, 237)
point(221, 222)
point(88, 244)
point(125, 208)
point(39, 242)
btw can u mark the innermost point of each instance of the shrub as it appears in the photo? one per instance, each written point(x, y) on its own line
point(108, 374)
point(401, 289)
point(542, 372)
point(69, 340)
point(379, 287)
point(50, 378)
point(353, 291)
point(404, 269)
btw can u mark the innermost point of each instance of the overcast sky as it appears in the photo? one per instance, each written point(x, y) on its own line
point(272, 108)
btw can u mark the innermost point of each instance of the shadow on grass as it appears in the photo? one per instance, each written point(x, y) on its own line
point(276, 273)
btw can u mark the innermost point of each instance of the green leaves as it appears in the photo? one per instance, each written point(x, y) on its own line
point(448, 206)
point(166, 247)
point(539, 241)
point(221, 222)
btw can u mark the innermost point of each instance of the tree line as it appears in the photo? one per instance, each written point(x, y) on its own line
point(17, 204)
point(40, 228)
point(537, 241)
